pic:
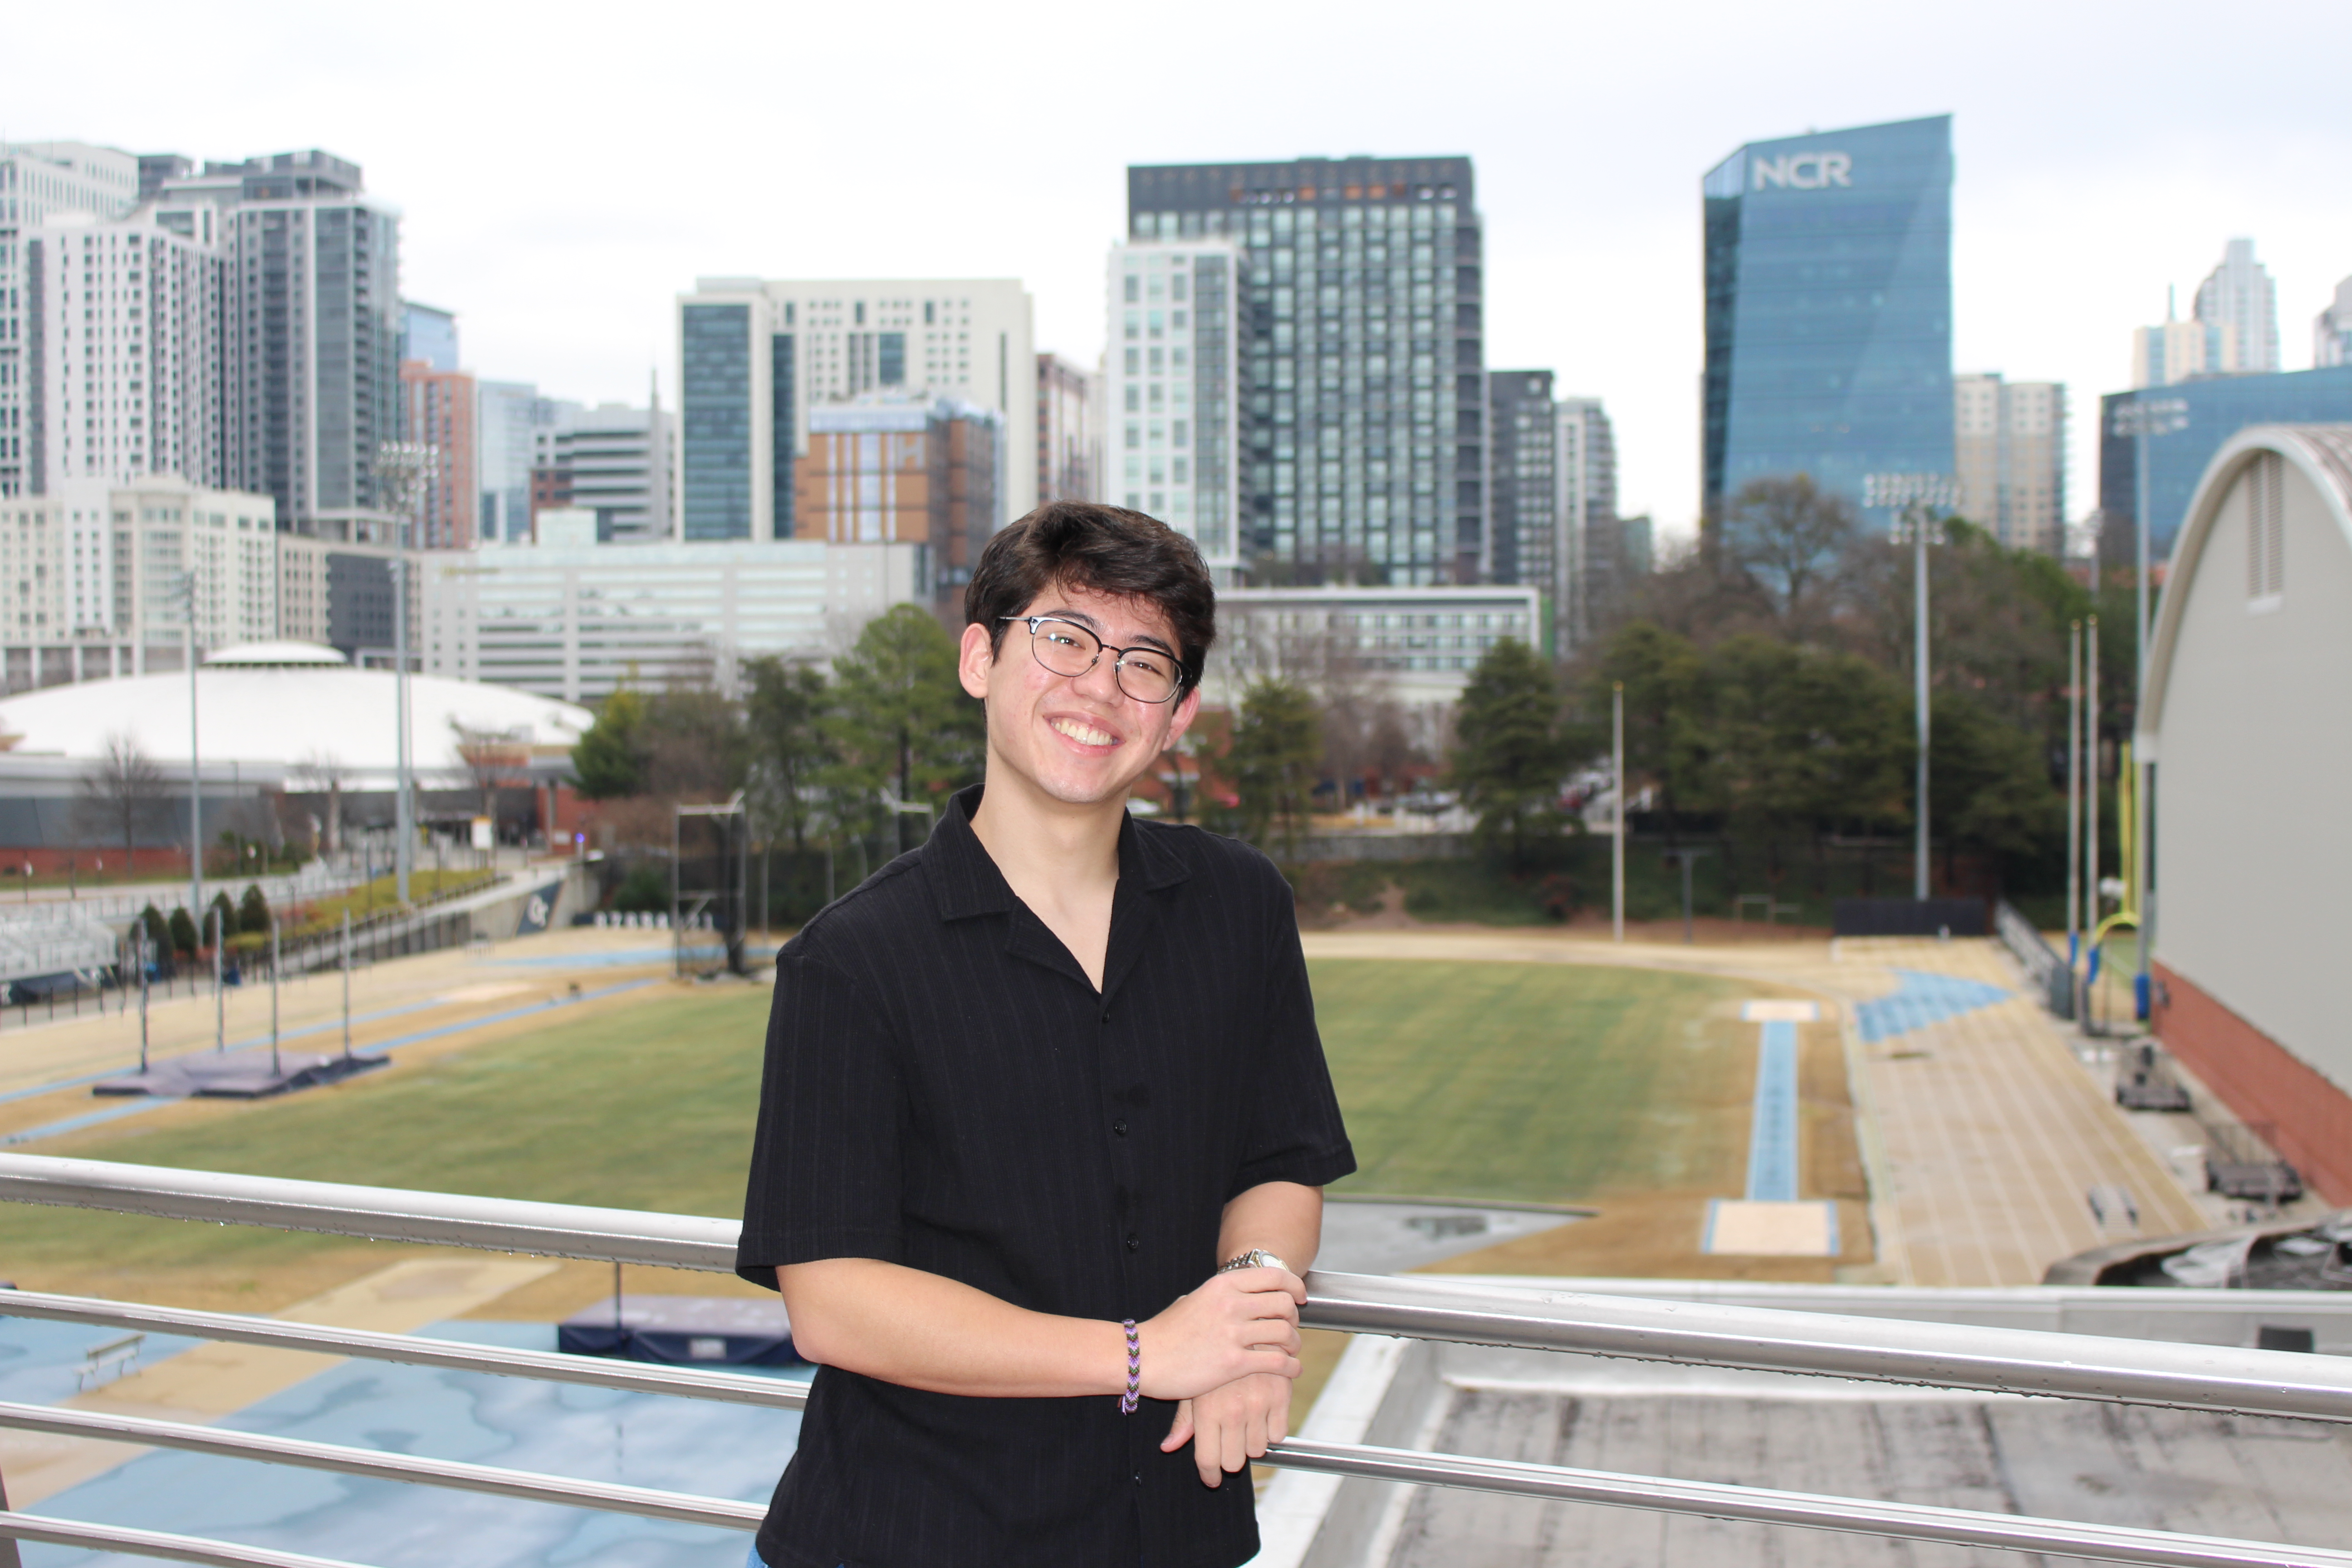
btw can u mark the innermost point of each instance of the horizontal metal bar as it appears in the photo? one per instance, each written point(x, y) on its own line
point(155, 1544)
point(644, 1502)
point(376, 1213)
point(1764, 1339)
point(1997, 1360)
point(1860, 1516)
point(594, 1372)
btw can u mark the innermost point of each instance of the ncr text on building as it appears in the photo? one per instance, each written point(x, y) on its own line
point(1361, 385)
point(1829, 308)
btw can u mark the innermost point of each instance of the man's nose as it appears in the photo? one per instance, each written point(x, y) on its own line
point(1100, 681)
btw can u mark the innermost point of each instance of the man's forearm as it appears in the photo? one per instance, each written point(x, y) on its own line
point(1280, 1218)
point(923, 1330)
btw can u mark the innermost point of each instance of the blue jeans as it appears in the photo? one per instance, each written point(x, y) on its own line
point(754, 1559)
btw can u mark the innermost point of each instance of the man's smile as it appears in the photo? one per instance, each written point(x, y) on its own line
point(1085, 733)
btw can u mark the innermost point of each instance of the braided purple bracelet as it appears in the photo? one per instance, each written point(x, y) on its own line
point(1126, 1400)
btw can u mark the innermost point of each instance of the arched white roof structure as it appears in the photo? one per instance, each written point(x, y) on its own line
point(2247, 719)
point(2323, 454)
point(293, 713)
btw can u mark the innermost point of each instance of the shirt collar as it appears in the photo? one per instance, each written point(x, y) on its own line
point(965, 881)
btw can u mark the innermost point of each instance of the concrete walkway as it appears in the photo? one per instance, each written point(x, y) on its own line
point(1981, 1134)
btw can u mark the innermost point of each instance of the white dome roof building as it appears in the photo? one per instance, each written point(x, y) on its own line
point(282, 720)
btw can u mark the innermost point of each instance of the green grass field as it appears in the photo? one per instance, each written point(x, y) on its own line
point(1530, 1081)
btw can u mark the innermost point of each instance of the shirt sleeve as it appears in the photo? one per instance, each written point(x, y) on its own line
point(1296, 1132)
point(824, 1179)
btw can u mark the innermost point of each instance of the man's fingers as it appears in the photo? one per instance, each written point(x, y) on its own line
point(1180, 1431)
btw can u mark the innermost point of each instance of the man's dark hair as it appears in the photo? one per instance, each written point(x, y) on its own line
point(1106, 548)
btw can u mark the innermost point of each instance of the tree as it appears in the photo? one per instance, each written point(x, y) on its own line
point(1989, 789)
point(252, 910)
point(609, 761)
point(222, 911)
point(1792, 538)
point(183, 928)
point(784, 714)
point(901, 723)
point(493, 757)
point(1511, 755)
point(1666, 713)
point(1277, 743)
point(120, 793)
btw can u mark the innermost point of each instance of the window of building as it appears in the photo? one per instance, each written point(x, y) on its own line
point(2265, 531)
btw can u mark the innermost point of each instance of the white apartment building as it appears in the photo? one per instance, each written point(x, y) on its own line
point(1587, 564)
point(572, 618)
point(122, 348)
point(756, 355)
point(1417, 645)
point(94, 577)
point(2009, 451)
point(1170, 419)
point(38, 181)
point(2238, 296)
point(614, 460)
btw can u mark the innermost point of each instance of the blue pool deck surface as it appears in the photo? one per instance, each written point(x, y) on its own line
point(642, 1439)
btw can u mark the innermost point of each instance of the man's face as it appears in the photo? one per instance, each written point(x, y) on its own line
point(1077, 739)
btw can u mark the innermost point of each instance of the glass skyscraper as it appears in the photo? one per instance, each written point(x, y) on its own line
point(1360, 380)
point(2212, 408)
point(1829, 308)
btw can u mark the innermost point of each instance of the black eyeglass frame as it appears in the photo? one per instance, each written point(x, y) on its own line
point(1116, 665)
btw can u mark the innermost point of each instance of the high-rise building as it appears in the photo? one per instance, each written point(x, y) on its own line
point(428, 334)
point(2331, 335)
point(1523, 480)
point(1360, 390)
point(1829, 308)
point(437, 408)
point(614, 460)
point(1171, 408)
point(1589, 567)
point(888, 468)
point(2009, 441)
point(312, 320)
point(121, 349)
point(756, 356)
point(102, 571)
point(2239, 295)
point(503, 428)
point(2212, 409)
point(2178, 351)
point(39, 180)
point(1069, 444)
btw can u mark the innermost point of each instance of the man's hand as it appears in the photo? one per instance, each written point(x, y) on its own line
point(1234, 1326)
point(1230, 1427)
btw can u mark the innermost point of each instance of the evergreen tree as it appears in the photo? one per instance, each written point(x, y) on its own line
point(901, 724)
point(184, 932)
point(609, 762)
point(786, 713)
point(1510, 754)
point(252, 910)
point(1277, 745)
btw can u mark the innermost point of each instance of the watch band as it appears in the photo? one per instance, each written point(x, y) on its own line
point(1255, 1258)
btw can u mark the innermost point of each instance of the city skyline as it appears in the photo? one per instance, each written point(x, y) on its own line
point(2073, 210)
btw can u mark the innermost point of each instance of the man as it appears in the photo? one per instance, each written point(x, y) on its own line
point(1045, 1121)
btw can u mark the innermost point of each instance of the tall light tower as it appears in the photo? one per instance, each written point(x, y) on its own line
point(2142, 420)
point(405, 470)
point(1915, 498)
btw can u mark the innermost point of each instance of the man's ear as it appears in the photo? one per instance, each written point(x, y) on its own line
point(974, 660)
point(1188, 709)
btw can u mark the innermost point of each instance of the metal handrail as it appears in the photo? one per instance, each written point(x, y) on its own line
point(613, 1497)
point(451, 1355)
point(2084, 1366)
point(1762, 1339)
point(52, 1531)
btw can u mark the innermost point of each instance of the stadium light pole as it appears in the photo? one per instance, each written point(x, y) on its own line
point(2074, 793)
point(2143, 420)
point(186, 592)
point(405, 470)
point(1617, 840)
point(1913, 497)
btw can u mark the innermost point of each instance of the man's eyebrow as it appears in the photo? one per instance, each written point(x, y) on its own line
point(1145, 639)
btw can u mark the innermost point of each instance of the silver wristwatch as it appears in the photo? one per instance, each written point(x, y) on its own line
point(1255, 1258)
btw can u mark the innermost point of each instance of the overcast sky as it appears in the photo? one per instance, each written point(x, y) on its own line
point(564, 172)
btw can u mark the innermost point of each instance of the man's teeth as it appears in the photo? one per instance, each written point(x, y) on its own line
point(1085, 734)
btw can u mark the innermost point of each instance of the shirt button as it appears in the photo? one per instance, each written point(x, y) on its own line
point(1138, 1477)
point(1119, 1128)
point(1134, 1242)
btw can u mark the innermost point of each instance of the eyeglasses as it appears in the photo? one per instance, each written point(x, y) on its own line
point(1065, 647)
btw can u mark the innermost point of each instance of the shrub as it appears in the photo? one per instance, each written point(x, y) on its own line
point(645, 891)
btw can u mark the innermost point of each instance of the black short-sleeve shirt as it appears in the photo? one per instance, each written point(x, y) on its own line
point(946, 1089)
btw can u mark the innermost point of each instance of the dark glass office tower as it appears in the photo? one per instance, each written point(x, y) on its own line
point(1361, 378)
point(1829, 308)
